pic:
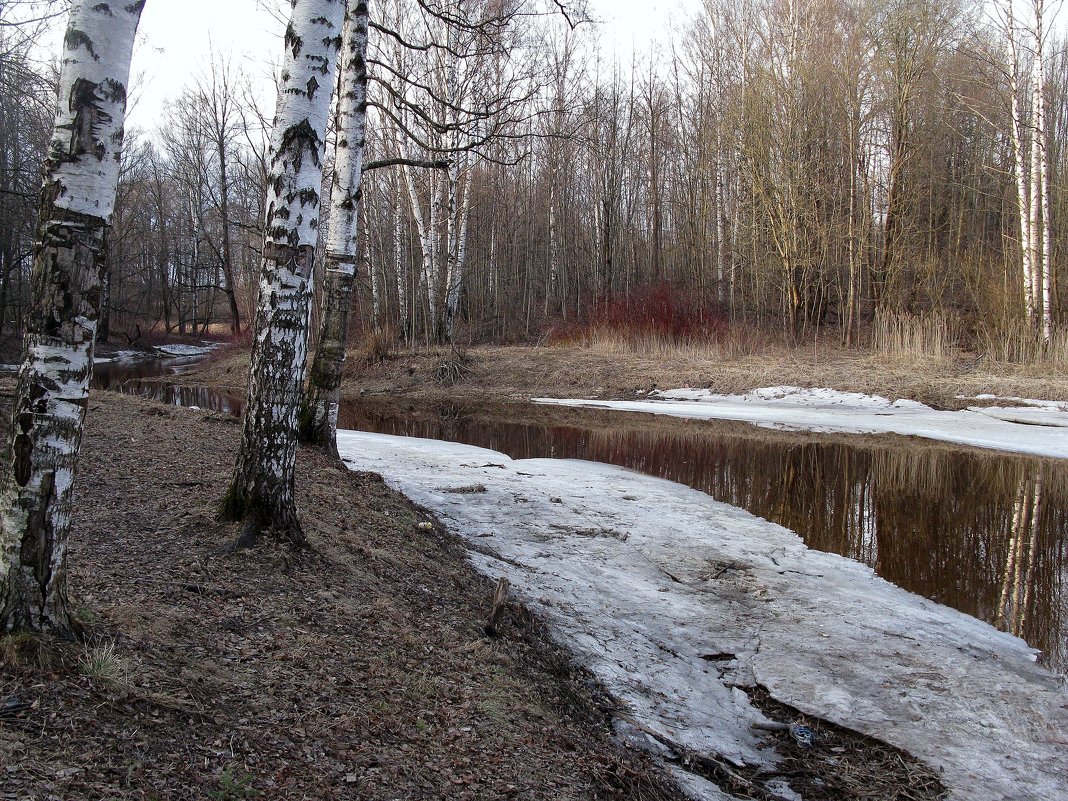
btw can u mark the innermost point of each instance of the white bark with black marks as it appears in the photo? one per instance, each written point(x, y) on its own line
point(262, 489)
point(319, 417)
point(80, 178)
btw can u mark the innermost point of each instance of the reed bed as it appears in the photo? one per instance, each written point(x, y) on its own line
point(1019, 343)
point(926, 336)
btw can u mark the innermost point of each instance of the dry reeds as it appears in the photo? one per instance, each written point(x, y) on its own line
point(911, 336)
point(1019, 343)
point(736, 345)
point(379, 345)
point(454, 366)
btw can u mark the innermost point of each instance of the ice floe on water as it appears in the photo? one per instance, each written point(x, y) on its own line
point(180, 349)
point(677, 603)
point(1040, 431)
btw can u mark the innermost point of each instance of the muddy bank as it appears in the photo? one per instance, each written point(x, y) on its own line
point(357, 670)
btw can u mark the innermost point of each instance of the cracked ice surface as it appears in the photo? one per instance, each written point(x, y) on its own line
point(640, 577)
point(1040, 431)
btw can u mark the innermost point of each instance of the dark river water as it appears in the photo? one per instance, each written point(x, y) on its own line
point(984, 532)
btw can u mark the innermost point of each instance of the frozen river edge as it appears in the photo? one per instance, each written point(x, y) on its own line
point(641, 577)
point(1034, 427)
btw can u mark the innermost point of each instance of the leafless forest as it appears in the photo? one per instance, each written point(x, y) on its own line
point(792, 166)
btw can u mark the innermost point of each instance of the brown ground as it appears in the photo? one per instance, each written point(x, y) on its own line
point(519, 373)
point(355, 671)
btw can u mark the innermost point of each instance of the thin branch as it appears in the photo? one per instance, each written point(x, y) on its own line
point(441, 164)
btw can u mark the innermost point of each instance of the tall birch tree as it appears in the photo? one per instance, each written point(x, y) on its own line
point(81, 173)
point(1029, 144)
point(261, 492)
point(319, 416)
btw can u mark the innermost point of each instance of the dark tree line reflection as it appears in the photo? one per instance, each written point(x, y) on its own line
point(984, 533)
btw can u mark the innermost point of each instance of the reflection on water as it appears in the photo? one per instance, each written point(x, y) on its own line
point(142, 378)
point(981, 532)
point(984, 533)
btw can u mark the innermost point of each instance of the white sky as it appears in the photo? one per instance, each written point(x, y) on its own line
point(177, 37)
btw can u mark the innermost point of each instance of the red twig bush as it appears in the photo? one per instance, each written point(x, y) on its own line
point(656, 312)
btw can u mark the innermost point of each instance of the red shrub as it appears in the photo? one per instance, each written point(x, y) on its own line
point(658, 310)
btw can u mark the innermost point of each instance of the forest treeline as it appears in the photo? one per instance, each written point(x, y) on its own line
point(789, 164)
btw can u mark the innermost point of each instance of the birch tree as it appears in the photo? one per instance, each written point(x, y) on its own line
point(1030, 156)
point(261, 492)
point(319, 416)
point(80, 177)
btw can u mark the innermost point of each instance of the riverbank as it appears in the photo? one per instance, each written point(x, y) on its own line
point(520, 373)
point(356, 670)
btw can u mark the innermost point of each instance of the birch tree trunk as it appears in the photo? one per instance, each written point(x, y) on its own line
point(1035, 208)
point(1041, 176)
point(81, 174)
point(1018, 136)
point(262, 489)
point(459, 265)
point(318, 422)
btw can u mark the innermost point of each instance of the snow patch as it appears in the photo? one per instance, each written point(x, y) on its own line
point(640, 590)
point(1039, 432)
point(179, 349)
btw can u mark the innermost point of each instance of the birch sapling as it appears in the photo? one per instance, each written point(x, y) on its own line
point(261, 492)
point(81, 172)
point(318, 423)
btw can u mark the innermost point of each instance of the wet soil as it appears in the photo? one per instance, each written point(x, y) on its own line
point(355, 670)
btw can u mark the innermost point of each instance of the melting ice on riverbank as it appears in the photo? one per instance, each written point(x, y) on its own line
point(1041, 430)
point(180, 349)
point(644, 580)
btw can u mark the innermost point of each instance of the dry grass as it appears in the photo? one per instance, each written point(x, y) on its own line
point(740, 343)
point(618, 368)
point(912, 336)
point(524, 372)
point(1018, 344)
point(378, 346)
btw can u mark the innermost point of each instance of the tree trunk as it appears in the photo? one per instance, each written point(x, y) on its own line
point(80, 179)
point(1018, 134)
point(227, 254)
point(1044, 302)
point(319, 415)
point(456, 281)
point(262, 489)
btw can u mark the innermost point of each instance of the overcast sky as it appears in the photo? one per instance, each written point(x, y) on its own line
point(177, 37)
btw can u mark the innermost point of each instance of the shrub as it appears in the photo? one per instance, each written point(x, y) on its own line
point(657, 312)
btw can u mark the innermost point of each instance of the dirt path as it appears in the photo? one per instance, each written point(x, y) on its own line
point(355, 671)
